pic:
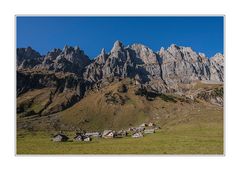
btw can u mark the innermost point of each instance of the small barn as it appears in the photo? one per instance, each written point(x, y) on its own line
point(78, 137)
point(157, 127)
point(93, 134)
point(143, 125)
point(87, 138)
point(131, 129)
point(151, 124)
point(149, 131)
point(82, 137)
point(140, 129)
point(60, 138)
point(108, 134)
point(121, 133)
point(137, 135)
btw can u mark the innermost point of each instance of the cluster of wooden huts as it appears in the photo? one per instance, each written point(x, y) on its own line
point(134, 132)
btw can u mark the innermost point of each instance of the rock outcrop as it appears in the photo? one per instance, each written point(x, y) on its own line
point(69, 59)
point(163, 71)
point(217, 68)
point(70, 71)
point(27, 58)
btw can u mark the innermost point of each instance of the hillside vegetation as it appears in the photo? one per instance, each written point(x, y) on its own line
point(187, 126)
point(110, 108)
point(199, 133)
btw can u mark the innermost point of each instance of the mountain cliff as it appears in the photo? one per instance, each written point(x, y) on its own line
point(70, 59)
point(55, 82)
point(161, 71)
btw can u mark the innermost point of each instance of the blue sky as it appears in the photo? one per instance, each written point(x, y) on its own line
point(203, 34)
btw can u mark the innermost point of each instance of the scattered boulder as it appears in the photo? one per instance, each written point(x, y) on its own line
point(115, 98)
point(122, 88)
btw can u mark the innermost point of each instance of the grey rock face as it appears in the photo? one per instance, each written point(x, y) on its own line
point(67, 60)
point(124, 62)
point(217, 68)
point(183, 65)
point(108, 65)
point(163, 71)
point(27, 58)
point(69, 72)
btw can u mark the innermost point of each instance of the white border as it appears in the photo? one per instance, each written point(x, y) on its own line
point(230, 8)
point(115, 15)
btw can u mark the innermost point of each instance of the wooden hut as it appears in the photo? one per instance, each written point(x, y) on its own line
point(121, 133)
point(143, 125)
point(137, 135)
point(82, 137)
point(149, 131)
point(60, 137)
point(151, 124)
point(87, 138)
point(108, 134)
point(78, 137)
point(93, 134)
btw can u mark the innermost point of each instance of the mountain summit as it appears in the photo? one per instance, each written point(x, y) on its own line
point(68, 74)
point(161, 71)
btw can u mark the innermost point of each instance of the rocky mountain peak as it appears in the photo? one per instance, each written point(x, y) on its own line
point(53, 54)
point(74, 55)
point(218, 57)
point(174, 46)
point(145, 54)
point(103, 52)
point(77, 48)
point(65, 47)
point(27, 57)
point(140, 47)
point(71, 74)
point(161, 71)
point(161, 51)
point(202, 55)
point(27, 53)
point(101, 58)
point(70, 59)
point(118, 46)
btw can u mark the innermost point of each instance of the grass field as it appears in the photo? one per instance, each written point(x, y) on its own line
point(188, 127)
point(190, 138)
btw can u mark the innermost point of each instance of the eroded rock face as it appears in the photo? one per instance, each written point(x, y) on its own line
point(160, 71)
point(69, 59)
point(27, 58)
point(183, 65)
point(122, 62)
point(214, 96)
point(163, 71)
point(70, 72)
point(217, 68)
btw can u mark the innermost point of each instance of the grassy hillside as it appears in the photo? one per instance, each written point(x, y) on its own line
point(108, 108)
point(188, 126)
point(202, 133)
